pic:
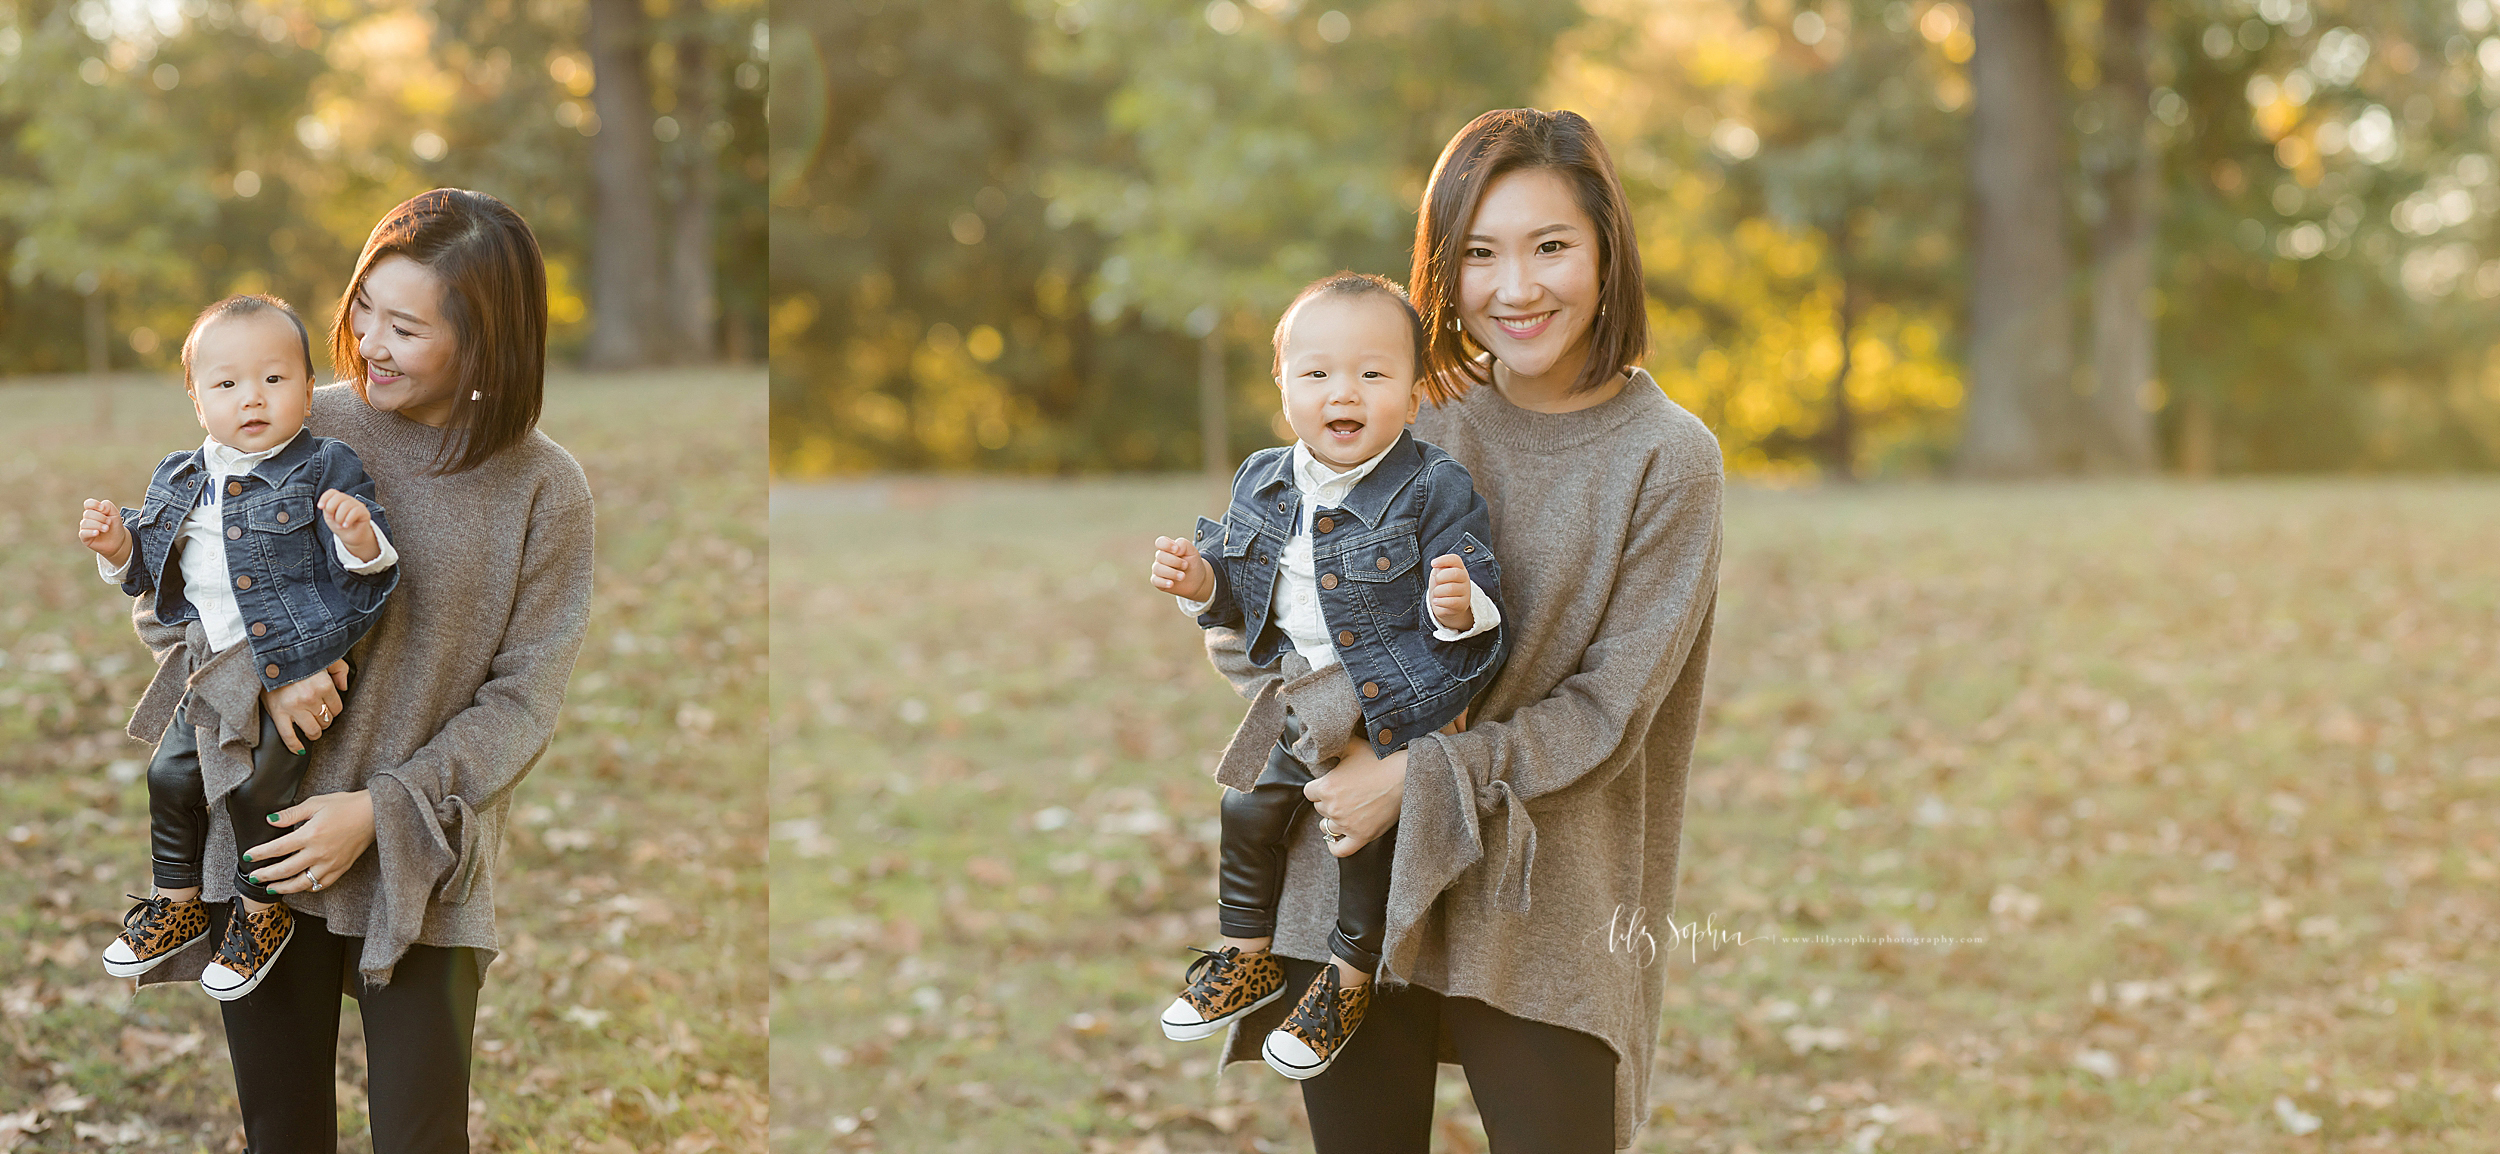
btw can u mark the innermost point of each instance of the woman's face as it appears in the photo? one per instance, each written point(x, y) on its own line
point(406, 341)
point(1527, 281)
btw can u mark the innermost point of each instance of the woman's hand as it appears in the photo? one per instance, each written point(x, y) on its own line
point(303, 709)
point(1360, 797)
point(331, 830)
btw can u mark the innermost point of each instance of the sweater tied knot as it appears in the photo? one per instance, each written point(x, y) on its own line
point(1518, 839)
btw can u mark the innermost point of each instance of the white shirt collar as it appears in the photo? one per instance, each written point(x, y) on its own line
point(1319, 482)
point(225, 460)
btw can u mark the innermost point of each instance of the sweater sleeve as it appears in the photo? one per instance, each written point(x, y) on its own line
point(1596, 721)
point(425, 810)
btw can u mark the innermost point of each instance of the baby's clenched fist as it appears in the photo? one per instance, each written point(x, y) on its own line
point(1181, 570)
point(100, 528)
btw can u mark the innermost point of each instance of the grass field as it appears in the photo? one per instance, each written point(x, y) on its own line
point(2209, 768)
point(626, 1012)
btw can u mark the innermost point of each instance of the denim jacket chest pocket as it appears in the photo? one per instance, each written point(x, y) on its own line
point(1385, 586)
point(1249, 548)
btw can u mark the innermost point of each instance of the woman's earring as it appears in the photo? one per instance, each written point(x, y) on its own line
point(1454, 325)
point(477, 395)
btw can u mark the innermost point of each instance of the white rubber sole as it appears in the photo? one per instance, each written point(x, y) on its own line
point(1194, 1031)
point(247, 985)
point(1292, 1069)
point(134, 968)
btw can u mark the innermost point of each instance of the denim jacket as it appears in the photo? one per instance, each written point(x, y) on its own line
point(1374, 559)
point(302, 609)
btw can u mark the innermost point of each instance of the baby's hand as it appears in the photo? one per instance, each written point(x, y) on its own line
point(100, 528)
point(351, 522)
point(1181, 570)
point(1448, 594)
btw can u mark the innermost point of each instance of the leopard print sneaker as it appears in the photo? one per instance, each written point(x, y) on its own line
point(1223, 985)
point(1318, 1028)
point(249, 950)
point(152, 931)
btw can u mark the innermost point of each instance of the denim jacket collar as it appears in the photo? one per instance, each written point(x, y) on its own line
point(1370, 498)
point(273, 469)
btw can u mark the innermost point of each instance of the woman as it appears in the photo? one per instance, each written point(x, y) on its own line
point(1535, 847)
point(441, 337)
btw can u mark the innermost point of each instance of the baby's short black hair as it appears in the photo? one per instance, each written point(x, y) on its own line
point(245, 304)
point(1350, 283)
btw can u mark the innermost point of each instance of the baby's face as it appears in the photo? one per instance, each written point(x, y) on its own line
point(248, 381)
point(1349, 376)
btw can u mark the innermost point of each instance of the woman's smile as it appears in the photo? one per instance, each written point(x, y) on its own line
point(1527, 327)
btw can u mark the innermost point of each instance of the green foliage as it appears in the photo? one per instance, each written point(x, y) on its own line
point(2326, 285)
point(178, 153)
point(994, 257)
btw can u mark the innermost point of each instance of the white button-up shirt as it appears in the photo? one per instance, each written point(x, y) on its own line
point(1296, 604)
point(202, 547)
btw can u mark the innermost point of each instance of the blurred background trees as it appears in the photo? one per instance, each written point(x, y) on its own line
point(156, 154)
point(1883, 237)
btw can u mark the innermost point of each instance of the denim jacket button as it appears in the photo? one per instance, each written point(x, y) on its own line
point(234, 488)
point(1328, 581)
point(243, 582)
point(1382, 564)
point(260, 629)
point(1382, 737)
point(269, 670)
point(1371, 689)
point(1325, 524)
point(1345, 637)
point(234, 532)
point(282, 516)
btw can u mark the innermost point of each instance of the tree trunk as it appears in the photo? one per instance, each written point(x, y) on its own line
point(625, 243)
point(2121, 427)
point(1843, 435)
point(2021, 351)
point(693, 304)
point(1840, 439)
point(1214, 441)
point(100, 358)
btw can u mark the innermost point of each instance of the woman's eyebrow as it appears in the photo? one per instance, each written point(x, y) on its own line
point(1555, 227)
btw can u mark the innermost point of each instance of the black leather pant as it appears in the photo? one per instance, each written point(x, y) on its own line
point(178, 803)
point(1251, 868)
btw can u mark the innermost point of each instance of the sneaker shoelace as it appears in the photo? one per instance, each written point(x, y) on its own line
point(143, 918)
point(242, 946)
point(1327, 1023)
point(1215, 964)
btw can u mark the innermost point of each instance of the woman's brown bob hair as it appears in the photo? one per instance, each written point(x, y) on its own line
point(1503, 141)
point(495, 298)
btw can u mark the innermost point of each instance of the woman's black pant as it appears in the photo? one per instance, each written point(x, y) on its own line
point(283, 1038)
point(178, 803)
point(1541, 1089)
point(1250, 868)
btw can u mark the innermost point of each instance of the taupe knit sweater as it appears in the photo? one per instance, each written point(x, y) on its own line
point(456, 691)
point(1531, 846)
